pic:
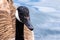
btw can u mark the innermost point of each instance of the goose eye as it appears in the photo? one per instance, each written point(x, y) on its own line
point(8, 0)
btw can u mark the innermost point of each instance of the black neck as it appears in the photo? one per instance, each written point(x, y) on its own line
point(19, 30)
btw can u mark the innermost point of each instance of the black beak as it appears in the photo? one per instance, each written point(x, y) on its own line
point(28, 24)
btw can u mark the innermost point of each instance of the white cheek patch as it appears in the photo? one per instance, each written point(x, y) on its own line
point(17, 16)
point(1, 1)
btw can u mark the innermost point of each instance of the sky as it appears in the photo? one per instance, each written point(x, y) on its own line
point(47, 15)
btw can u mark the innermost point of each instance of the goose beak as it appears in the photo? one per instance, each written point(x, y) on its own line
point(28, 24)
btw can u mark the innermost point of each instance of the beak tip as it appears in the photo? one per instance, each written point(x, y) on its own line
point(31, 29)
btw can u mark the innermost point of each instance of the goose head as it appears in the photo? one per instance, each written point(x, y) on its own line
point(23, 16)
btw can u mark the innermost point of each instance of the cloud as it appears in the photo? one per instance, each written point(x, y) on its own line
point(51, 37)
point(49, 25)
point(46, 9)
point(16, 4)
point(24, 0)
point(35, 0)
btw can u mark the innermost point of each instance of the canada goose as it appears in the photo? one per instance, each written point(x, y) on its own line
point(22, 17)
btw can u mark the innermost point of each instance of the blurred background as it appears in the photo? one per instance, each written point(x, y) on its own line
point(45, 17)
